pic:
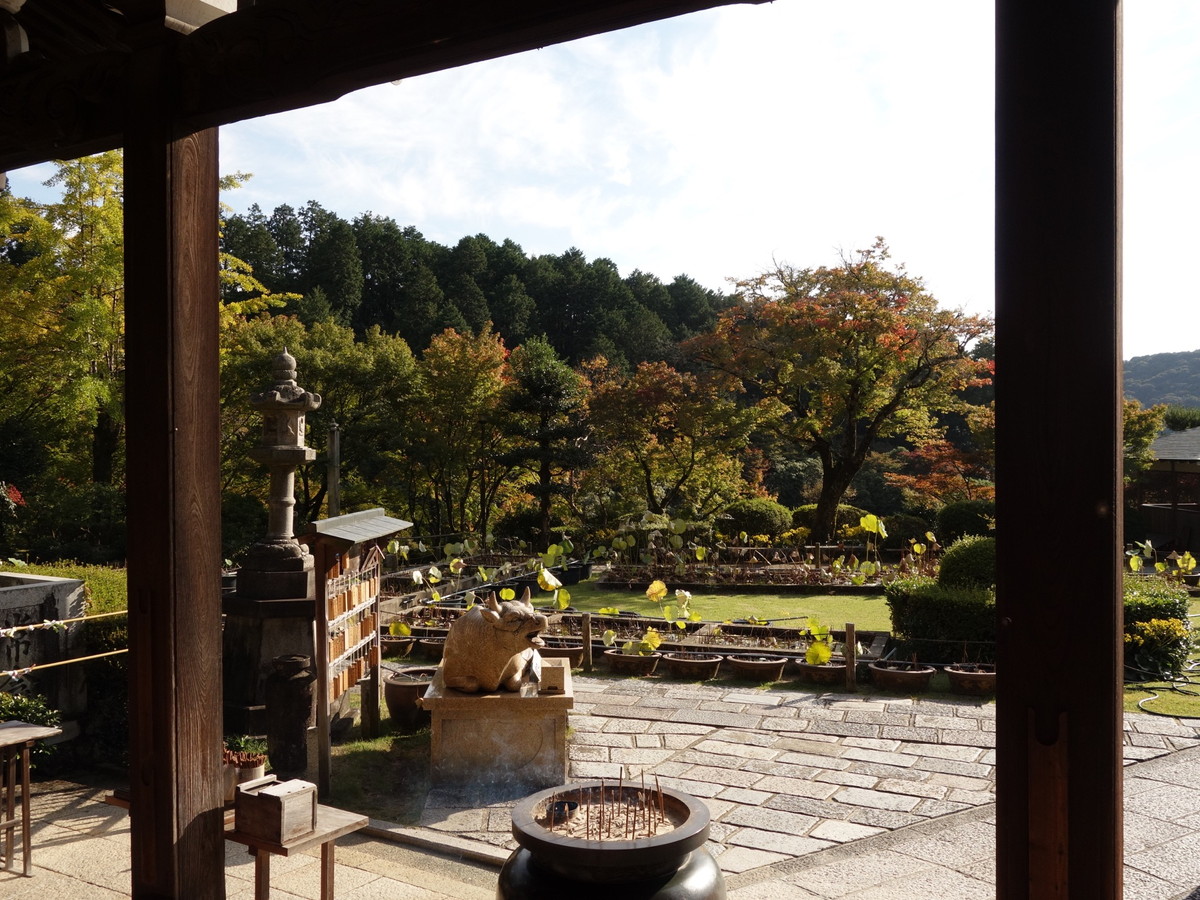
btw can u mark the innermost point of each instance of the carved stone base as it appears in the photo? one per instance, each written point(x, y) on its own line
point(501, 742)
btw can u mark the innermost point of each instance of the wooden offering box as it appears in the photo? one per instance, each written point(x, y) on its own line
point(275, 810)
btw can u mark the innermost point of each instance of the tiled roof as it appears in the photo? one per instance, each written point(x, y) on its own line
point(1177, 445)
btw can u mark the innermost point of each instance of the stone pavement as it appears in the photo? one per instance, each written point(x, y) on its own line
point(813, 795)
point(787, 773)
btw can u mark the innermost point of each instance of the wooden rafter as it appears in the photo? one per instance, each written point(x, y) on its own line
point(267, 58)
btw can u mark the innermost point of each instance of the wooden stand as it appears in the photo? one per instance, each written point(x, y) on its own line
point(331, 825)
point(16, 740)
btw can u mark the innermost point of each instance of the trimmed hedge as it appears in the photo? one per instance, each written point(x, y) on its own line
point(940, 624)
point(1157, 636)
point(965, 517)
point(969, 562)
point(755, 515)
point(104, 585)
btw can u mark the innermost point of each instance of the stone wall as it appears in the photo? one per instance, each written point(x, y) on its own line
point(26, 600)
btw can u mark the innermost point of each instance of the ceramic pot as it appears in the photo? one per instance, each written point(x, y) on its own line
point(692, 666)
point(828, 674)
point(977, 680)
point(235, 776)
point(401, 690)
point(573, 653)
point(632, 663)
point(396, 646)
point(756, 666)
point(552, 863)
point(901, 677)
point(432, 648)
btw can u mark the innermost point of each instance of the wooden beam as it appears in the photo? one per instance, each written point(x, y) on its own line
point(174, 519)
point(1058, 343)
point(285, 54)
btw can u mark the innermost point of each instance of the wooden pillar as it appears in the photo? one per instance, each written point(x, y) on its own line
point(1059, 815)
point(174, 522)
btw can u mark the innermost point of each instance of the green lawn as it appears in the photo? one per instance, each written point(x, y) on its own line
point(868, 612)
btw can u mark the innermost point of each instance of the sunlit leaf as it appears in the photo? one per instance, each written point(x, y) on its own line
point(547, 581)
point(818, 653)
point(508, 594)
point(563, 598)
point(656, 591)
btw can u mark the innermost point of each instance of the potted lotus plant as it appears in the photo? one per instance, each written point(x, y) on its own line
point(818, 666)
point(688, 665)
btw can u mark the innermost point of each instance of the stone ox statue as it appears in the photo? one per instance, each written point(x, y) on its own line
point(489, 647)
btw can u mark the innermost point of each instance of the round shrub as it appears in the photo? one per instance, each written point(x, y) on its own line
point(901, 529)
point(845, 520)
point(1156, 649)
point(965, 517)
point(969, 562)
point(756, 516)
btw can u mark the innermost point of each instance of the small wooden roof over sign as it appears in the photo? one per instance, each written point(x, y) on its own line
point(357, 527)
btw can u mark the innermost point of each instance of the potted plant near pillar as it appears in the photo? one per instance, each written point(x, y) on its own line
point(244, 758)
point(595, 839)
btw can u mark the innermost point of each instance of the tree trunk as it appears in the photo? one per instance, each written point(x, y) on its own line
point(106, 438)
point(833, 487)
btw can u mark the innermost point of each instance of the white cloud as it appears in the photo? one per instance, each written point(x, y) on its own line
point(713, 143)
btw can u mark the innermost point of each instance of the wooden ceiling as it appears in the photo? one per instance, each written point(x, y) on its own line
point(68, 73)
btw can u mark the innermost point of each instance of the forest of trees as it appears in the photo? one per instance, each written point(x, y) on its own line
point(480, 389)
point(1170, 378)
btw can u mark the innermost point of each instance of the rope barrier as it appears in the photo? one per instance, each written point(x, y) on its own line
point(55, 624)
point(21, 673)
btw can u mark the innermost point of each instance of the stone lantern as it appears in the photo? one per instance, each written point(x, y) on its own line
point(276, 566)
point(271, 613)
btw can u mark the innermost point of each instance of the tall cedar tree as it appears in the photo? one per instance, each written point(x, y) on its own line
point(545, 398)
point(845, 355)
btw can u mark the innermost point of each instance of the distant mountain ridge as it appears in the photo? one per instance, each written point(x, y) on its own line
point(1171, 378)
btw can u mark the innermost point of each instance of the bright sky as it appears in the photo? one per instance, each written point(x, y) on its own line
point(713, 143)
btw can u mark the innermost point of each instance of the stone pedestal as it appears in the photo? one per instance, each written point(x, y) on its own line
point(257, 631)
point(508, 741)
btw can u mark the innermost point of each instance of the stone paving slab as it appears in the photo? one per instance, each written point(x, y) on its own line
point(790, 773)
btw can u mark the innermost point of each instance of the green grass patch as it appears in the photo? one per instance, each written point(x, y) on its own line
point(387, 777)
point(105, 585)
point(868, 612)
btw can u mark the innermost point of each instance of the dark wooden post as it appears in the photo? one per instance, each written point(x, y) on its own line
point(174, 520)
point(851, 658)
point(1059, 816)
